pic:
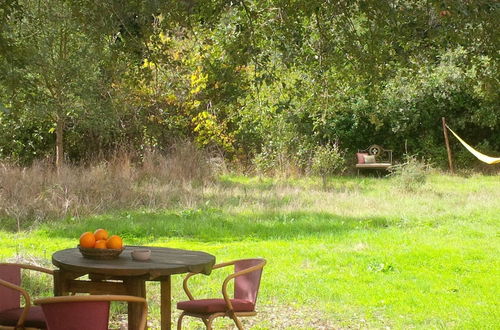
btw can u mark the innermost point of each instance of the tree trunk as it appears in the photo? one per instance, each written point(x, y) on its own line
point(59, 143)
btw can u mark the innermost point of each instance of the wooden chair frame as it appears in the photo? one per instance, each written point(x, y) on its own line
point(26, 296)
point(209, 317)
point(123, 298)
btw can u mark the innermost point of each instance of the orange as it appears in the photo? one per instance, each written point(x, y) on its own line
point(100, 234)
point(87, 240)
point(114, 242)
point(100, 244)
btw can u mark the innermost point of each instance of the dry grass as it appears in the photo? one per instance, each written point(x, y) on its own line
point(184, 179)
point(38, 193)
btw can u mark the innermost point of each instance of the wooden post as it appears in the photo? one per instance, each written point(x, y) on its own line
point(445, 132)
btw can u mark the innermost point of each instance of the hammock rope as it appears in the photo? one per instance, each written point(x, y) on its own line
point(482, 157)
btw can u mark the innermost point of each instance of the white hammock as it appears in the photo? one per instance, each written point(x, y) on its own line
point(480, 156)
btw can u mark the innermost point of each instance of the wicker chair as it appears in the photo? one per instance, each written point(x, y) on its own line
point(12, 315)
point(247, 277)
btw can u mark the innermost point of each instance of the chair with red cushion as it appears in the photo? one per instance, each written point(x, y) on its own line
point(12, 315)
point(247, 275)
point(89, 312)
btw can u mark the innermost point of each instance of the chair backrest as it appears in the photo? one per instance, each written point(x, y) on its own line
point(87, 312)
point(381, 154)
point(10, 298)
point(77, 315)
point(247, 286)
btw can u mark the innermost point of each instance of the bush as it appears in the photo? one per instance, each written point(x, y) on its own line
point(327, 161)
point(410, 175)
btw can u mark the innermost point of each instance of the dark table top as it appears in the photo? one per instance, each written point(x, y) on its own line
point(163, 261)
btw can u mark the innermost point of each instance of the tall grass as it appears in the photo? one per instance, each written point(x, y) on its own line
point(33, 194)
point(362, 254)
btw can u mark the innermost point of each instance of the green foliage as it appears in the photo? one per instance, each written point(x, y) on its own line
point(266, 79)
point(415, 100)
point(411, 174)
point(327, 161)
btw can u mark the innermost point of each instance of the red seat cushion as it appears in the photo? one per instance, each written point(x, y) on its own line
point(35, 318)
point(205, 306)
point(361, 158)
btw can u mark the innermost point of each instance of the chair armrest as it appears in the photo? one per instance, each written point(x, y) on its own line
point(31, 267)
point(36, 268)
point(188, 276)
point(233, 276)
point(27, 301)
point(185, 286)
point(224, 264)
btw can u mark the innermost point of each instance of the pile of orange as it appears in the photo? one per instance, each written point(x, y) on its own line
point(100, 239)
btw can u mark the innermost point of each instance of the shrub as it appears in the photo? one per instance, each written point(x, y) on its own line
point(327, 161)
point(410, 175)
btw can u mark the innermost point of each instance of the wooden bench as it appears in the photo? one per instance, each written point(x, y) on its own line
point(374, 157)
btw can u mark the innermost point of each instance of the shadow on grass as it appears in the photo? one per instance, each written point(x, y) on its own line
point(335, 183)
point(228, 191)
point(215, 226)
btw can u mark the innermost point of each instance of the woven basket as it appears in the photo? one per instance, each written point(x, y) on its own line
point(100, 254)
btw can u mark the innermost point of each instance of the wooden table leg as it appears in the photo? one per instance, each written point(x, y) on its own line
point(60, 283)
point(166, 304)
point(135, 287)
point(63, 282)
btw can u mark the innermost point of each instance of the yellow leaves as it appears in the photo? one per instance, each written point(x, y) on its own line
point(171, 99)
point(242, 68)
point(144, 89)
point(164, 39)
point(211, 131)
point(160, 18)
point(148, 64)
point(204, 121)
point(198, 81)
point(176, 55)
point(195, 104)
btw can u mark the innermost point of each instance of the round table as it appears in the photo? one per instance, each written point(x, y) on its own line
point(124, 275)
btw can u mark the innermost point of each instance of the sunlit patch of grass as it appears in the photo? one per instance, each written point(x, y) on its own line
point(362, 252)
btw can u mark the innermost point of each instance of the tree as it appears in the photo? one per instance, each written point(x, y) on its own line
point(57, 76)
point(274, 77)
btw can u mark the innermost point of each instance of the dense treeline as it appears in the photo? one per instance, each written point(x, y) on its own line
point(262, 82)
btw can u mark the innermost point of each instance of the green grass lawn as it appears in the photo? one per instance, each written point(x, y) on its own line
point(361, 254)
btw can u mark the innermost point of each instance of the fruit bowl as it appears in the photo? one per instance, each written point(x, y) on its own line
point(100, 254)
